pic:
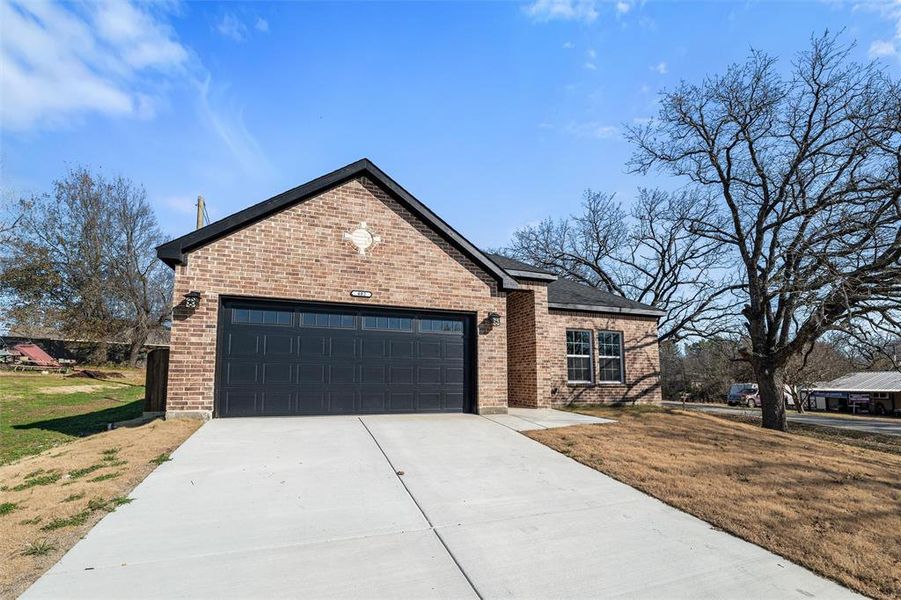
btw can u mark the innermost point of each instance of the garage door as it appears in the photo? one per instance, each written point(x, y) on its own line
point(283, 359)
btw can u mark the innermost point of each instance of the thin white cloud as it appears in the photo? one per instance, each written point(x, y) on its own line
point(112, 58)
point(889, 11)
point(261, 25)
point(569, 45)
point(182, 204)
point(590, 66)
point(232, 27)
point(593, 130)
point(61, 62)
point(882, 48)
point(660, 68)
point(591, 54)
point(227, 121)
point(623, 7)
point(562, 10)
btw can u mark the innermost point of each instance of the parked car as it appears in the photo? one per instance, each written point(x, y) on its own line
point(743, 393)
point(748, 395)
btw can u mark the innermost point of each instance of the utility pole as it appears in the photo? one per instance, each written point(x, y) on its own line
point(200, 209)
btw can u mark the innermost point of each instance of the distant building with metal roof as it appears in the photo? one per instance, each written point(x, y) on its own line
point(876, 392)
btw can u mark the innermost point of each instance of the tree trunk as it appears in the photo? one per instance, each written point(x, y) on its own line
point(769, 386)
point(134, 350)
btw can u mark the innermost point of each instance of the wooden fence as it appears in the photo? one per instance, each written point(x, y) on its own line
point(157, 380)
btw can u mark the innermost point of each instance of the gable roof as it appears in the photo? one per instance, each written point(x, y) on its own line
point(565, 294)
point(863, 381)
point(174, 252)
point(520, 269)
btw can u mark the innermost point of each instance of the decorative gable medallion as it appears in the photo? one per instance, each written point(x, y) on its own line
point(363, 238)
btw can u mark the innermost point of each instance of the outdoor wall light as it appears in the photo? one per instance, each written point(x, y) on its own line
point(494, 319)
point(192, 299)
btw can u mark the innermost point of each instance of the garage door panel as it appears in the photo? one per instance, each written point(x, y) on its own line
point(401, 401)
point(240, 372)
point(240, 403)
point(296, 359)
point(312, 345)
point(242, 344)
point(277, 402)
point(454, 401)
point(278, 345)
point(428, 375)
point(453, 350)
point(430, 349)
point(372, 402)
point(339, 374)
point(400, 375)
point(372, 374)
point(429, 401)
point(311, 402)
point(343, 347)
point(374, 347)
point(341, 402)
point(401, 349)
point(311, 373)
point(453, 375)
point(277, 373)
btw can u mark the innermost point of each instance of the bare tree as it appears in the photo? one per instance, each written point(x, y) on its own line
point(140, 283)
point(81, 262)
point(650, 255)
point(806, 170)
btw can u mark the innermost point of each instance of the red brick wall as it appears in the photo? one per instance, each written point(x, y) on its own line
point(536, 337)
point(300, 254)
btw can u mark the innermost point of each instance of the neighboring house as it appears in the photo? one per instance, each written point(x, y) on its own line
point(878, 392)
point(347, 295)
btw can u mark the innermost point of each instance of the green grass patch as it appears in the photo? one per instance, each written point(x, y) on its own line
point(8, 507)
point(38, 478)
point(82, 516)
point(79, 518)
point(32, 521)
point(73, 497)
point(38, 548)
point(37, 419)
point(78, 473)
point(164, 457)
point(107, 476)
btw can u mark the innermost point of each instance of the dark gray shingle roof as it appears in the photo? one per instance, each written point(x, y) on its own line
point(571, 294)
point(567, 294)
point(511, 264)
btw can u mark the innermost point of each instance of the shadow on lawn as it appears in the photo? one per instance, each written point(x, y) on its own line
point(88, 423)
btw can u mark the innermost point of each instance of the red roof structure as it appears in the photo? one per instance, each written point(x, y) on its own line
point(35, 354)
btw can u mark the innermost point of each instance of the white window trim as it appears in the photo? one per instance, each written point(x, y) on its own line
point(590, 357)
point(621, 357)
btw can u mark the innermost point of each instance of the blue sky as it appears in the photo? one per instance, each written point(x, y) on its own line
point(493, 114)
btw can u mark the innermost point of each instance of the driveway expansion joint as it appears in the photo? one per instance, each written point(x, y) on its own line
point(397, 474)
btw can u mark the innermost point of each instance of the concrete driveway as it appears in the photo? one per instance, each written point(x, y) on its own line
point(449, 506)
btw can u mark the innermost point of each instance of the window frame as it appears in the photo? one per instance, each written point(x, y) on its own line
point(589, 356)
point(621, 357)
point(388, 328)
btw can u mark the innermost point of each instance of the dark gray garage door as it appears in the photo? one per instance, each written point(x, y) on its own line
point(283, 359)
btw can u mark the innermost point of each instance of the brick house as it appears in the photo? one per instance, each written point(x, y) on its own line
point(347, 295)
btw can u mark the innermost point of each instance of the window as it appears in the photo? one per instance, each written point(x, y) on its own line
point(578, 356)
point(330, 320)
point(610, 355)
point(440, 326)
point(389, 323)
point(253, 316)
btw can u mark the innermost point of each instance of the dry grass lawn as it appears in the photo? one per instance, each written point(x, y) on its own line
point(49, 501)
point(831, 507)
